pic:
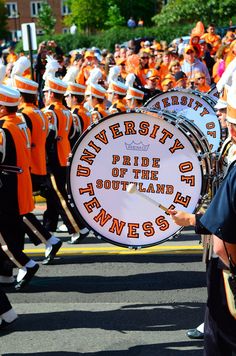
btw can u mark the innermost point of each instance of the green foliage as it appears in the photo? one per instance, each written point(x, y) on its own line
point(107, 39)
point(66, 41)
point(140, 9)
point(184, 12)
point(87, 15)
point(46, 20)
point(114, 16)
point(3, 20)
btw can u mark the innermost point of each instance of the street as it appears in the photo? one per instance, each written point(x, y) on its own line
point(100, 299)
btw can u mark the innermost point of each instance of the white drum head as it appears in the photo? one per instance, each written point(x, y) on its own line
point(195, 107)
point(140, 148)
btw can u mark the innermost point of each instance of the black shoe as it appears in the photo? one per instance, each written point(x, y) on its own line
point(4, 324)
point(55, 248)
point(27, 278)
point(195, 334)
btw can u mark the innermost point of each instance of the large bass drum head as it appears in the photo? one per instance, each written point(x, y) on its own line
point(140, 148)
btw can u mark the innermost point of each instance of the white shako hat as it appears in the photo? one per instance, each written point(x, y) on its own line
point(25, 85)
point(55, 85)
point(9, 96)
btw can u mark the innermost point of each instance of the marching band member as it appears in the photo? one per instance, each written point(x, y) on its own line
point(134, 96)
point(96, 94)
point(74, 97)
point(38, 126)
point(153, 85)
point(7, 313)
point(16, 188)
point(58, 150)
point(58, 145)
point(226, 160)
point(117, 92)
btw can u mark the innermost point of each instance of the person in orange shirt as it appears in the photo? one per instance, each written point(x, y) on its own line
point(86, 67)
point(200, 82)
point(164, 66)
point(211, 37)
point(174, 67)
point(231, 54)
point(143, 67)
point(167, 84)
point(219, 66)
point(153, 85)
point(123, 73)
point(12, 56)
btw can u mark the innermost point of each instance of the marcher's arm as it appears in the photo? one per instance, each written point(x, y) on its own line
point(183, 218)
point(219, 249)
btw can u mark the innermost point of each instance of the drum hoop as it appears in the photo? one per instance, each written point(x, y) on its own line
point(210, 100)
point(71, 198)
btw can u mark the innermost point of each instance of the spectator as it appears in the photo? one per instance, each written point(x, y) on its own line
point(211, 37)
point(191, 65)
point(180, 80)
point(140, 23)
point(131, 23)
point(200, 82)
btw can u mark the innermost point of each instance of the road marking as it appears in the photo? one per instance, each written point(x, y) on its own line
point(116, 250)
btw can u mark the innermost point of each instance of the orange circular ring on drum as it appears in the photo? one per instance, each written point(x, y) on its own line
point(146, 149)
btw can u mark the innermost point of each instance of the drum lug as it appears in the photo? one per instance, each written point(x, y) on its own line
point(134, 247)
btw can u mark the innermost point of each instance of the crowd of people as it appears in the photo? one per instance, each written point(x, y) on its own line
point(42, 117)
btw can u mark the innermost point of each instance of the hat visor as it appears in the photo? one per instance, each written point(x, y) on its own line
point(220, 105)
point(231, 120)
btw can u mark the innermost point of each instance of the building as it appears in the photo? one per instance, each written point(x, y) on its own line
point(26, 11)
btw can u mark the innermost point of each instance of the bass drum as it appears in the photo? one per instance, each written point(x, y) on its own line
point(154, 152)
point(195, 106)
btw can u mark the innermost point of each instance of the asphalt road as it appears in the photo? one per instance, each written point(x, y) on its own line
point(98, 299)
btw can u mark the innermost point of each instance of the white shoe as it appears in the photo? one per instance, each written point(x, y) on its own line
point(91, 233)
point(74, 238)
point(9, 316)
point(21, 274)
point(63, 228)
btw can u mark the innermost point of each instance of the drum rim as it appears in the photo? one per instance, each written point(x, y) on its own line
point(72, 201)
point(185, 91)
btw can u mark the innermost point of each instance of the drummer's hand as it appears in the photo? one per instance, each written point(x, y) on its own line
point(182, 218)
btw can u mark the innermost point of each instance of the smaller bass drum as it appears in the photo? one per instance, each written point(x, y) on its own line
point(195, 106)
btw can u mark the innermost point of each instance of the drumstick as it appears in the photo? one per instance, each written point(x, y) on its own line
point(133, 189)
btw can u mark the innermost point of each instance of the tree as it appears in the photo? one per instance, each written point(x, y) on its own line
point(114, 16)
point(3, 20)
point(140, 9)
point(46, 20)
point(87, 15)
point(184, 11)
